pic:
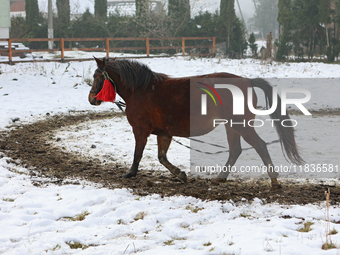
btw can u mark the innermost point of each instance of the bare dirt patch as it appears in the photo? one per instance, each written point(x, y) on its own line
point(28, 145)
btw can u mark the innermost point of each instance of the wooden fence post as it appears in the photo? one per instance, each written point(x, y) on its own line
point(147, 47)
point(107, 47)
point(214, 46)
point(10, 51)
point(62, 52)
point(183, 46)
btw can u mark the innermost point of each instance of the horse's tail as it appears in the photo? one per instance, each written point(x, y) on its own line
point(286, 134)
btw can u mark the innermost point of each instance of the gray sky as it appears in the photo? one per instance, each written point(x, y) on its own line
point(247, 7)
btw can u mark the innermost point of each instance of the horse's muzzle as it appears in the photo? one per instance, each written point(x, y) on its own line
point(93, 100)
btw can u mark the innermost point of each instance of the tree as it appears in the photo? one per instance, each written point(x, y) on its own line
point(87, 25)
point(63, 21)
point(228, 15)
point(32, 13)
point(36, 24)
point(142, 6)
point(18, 27)
point(337, 13)
point(284, 17)
point(306, 25)
point(336, 34)
point(179, 9)
point(239, 42)
point(179, 14)
point(252, 44)
point(100, 9)
point(325, 15)
point(266, 16)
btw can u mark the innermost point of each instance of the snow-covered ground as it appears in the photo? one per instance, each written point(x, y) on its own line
point(37, 220)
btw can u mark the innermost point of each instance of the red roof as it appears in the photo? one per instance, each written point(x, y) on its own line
point(18, 6)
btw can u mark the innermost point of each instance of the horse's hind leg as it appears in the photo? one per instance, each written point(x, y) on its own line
point(234, 141)
point(163, 146)
point(250, 136)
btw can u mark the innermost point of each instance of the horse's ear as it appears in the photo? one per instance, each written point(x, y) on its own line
point(100, 63)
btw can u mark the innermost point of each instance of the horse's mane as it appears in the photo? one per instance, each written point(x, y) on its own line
point(133, 74)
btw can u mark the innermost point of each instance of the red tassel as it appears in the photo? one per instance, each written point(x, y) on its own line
point(108, 93)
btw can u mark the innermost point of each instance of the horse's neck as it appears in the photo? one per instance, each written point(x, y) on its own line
point(122, 91)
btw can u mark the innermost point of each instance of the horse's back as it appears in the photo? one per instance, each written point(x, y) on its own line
point(166, 107)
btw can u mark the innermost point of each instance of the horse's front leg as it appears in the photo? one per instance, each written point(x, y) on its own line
point(163, 146)
point(141, 138)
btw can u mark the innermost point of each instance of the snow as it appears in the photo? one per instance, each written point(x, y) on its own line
point(37, 220)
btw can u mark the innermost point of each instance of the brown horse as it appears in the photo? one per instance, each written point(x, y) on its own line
point(160, 105)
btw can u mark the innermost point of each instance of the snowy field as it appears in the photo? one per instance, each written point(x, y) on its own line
point(42, 220)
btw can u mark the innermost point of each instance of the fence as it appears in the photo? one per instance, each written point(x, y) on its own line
point(180, 41)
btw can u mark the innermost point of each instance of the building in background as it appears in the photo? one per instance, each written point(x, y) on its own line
point(5, 20)
point(17, 8)
point(128, 7)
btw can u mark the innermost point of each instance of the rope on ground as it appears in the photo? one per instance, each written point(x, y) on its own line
point(216, 145)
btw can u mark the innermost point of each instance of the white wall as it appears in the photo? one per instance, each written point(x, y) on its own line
point(5, 21)
point(4, 32)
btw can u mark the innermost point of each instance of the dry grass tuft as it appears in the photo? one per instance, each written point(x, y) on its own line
point(306, 227)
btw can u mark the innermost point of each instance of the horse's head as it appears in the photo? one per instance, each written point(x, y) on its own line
point(98, 80)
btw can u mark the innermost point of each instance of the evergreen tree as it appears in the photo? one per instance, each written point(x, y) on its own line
point(228, 15)
point(325, 12)
point(88, 26)
point(180, 9)
point(285, 14)
point(306, 23)
point(284, 17)
point(252, 44)
point(100, 9)
point(336, 33)
point(18, 27)
point(179, 14)
point(239, 42)
point(307, 29)
point(63, 21)
point(32, 14)
point(325, 18)
point(337, 13)
point(36, 24)
point(206, 24)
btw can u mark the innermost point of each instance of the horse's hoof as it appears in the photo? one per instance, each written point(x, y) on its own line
point(217, 181)
point(183, 177)
point(276, 186)
point(129, 175)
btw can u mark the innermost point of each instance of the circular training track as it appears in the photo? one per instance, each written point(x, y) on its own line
point(30, 145)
